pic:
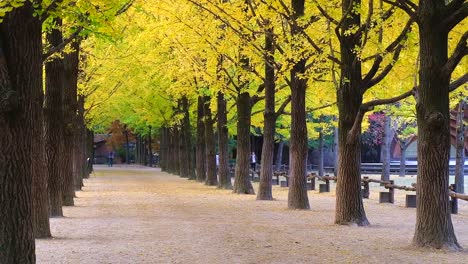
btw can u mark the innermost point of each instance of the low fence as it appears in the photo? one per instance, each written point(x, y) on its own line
point(384, 197)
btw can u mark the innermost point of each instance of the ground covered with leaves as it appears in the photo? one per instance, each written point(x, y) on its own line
point(140, 215)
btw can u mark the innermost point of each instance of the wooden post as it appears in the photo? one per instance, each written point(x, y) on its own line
point(387, 197)
point(365, 189)
point(312, 184)
point(391, 193)
point(453, 200)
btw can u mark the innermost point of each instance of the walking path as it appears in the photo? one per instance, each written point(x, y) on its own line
point(141, 215)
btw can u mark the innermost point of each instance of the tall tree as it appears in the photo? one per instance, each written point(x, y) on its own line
point(200, 147)
point(21, 88)
point(460, 147)
point(211, 179)
point(386, 145)
point(223, 135)
point(297, 196)
point(71, 62)
point(53, 113)
point(242, 184)
point(435, 19)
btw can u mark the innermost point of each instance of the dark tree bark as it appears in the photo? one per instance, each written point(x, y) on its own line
point(163, 152)
point(349, 205)
point(460, 156)
point(40, 195)
point(335, 152)
point(183, 165)
point(223, 170)
point(211, 178)
point(79, 138)
point(185, 144)
point(187, 137)
point(21, 87)
point(90, 149)
point(403, 147)
point(150, 148)
point(242, 184)
point(137, 149)
point(71, 61)
point(144, 160)
point(434, 227)
point(200, 148)
point(53, 113)
point(40, 191)
point(297, 196)
point(176, 155)
point(268, 147)
point(321, 169)
point(387, 141)
point(279, 155)
point(170, 154)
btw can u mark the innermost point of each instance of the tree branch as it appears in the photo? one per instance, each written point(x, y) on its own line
point(403, 6)
point(280, 110)
point(320, 107)
point(461, 50)
point(51, 7)
point(459, 82)
point(396, 46)
point(368, 106)
point(324, 13)
point(62, 45)
point(456, 13)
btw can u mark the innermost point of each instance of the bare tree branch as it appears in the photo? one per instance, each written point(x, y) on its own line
point(461, 50)
point(459, 82)
point(455, 14)
point(62, 45)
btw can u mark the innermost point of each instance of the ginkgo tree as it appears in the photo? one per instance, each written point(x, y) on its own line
point(229, 61)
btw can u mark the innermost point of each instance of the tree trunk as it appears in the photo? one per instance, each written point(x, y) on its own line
point(90, 143)
point(297, 196)
point(460, 157)
point(434, 227)
point(127, 147)
point(268, 147)
point(162, 152)
point(143, 156)
point(279, 155)
point(183, 162)
point(223, 170)
point(335, 152)
point(53, 117)
point(40, 192)
point(211, 179)
point(387, 137)
point(170, 150)
point(349, 205)
point(403, 147)
point(184, 139)
point(176, 155)
point(79, 161)
point(187, 137)
point(40, 195)
point(242, 184)
point(71, 61)
point(150, 148)
point(21, 86)
point(321, 170)
point(200, 149)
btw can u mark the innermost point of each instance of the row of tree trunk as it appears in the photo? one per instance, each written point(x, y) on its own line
point(45, 144)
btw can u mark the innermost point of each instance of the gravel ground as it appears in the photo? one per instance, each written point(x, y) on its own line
point(140, 215)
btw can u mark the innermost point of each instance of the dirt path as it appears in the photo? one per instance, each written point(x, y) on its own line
point(140, 215)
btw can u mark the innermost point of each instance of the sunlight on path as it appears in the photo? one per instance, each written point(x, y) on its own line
point(140, 215)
